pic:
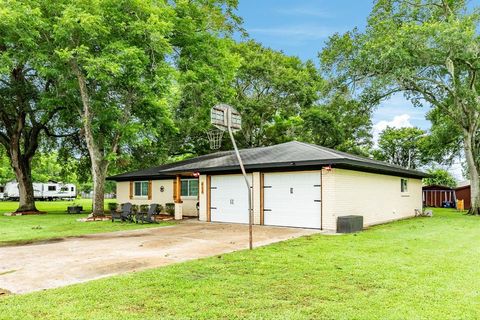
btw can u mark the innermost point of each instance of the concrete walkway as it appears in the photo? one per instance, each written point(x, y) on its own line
point(73, 260)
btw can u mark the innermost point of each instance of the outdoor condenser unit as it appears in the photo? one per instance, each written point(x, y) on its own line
point(349, 224)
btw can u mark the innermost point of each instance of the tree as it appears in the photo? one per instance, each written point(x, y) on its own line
point(427, 49)
point(401, 146)
point(112, 54)
point(269, 88)
point(121, 59)
point(439, 177)
point(341, 123)
point(27, 87)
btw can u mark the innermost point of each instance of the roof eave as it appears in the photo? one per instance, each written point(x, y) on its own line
point(353, 164)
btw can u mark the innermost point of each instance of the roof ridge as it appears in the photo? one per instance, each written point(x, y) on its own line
point(314, 146)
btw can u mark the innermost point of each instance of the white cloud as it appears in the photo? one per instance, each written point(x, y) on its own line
point(400, 121)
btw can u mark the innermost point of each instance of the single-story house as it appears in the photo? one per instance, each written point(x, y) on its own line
point(438, 196)
point(293, 184)
point(462, 192)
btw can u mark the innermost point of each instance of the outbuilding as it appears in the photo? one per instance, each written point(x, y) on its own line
point(462, 192)
point(438, 196)
point(294, 184)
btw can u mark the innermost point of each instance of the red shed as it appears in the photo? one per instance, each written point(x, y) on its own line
point(463, 193)
point(437, 196)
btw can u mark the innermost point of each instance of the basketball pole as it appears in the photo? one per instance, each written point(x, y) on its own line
point(239, 158)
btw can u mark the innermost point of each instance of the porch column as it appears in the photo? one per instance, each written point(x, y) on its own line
point(178, 198)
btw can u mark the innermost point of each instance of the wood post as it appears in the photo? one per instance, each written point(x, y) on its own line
point(178, 189)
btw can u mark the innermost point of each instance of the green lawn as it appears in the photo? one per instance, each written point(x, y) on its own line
point(55, 224)
point(422, 268)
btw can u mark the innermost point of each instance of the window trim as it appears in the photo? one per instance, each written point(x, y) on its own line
point(135, 189)
point(188, 188)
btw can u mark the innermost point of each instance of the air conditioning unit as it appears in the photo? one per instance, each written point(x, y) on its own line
point(349, 224)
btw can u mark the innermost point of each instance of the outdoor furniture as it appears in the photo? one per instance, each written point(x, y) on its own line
point(124, 215)
point(74, 209)
point(148, 216)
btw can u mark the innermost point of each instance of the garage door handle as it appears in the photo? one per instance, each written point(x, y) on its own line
point(213, 208)
point(213, 187)
point(267, 209)
point(265, 187)
point(317, 200)
point(317, 185)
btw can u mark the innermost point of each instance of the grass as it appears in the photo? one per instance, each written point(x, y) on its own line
point(422, 268)
point(55, 224)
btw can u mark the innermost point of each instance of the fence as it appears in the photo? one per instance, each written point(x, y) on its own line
point(89, 195)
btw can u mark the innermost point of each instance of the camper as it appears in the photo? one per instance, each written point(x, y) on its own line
point(43, 191)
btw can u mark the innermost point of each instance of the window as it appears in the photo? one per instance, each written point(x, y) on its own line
point(52, 188)
point(64, 189)
point(72, 189)
point(190, 188)
point(141, 189)
point(404, 185)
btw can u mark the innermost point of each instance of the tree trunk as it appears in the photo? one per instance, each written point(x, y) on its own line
point(473, 172)
point(99, 172)
point(99, 164)
point(23, 173)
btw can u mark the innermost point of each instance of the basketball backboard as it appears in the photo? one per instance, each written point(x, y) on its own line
point(222, 115)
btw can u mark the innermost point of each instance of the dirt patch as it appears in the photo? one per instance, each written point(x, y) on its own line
point(4, 292)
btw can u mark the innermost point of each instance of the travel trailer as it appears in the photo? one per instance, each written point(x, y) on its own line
point(42, 191)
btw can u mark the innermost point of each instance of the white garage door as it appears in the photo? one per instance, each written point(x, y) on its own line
point(292, 199)
point(229, 198)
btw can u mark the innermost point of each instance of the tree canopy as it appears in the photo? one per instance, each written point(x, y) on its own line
point(427, 49)
point(439, 177)
point(402, 147)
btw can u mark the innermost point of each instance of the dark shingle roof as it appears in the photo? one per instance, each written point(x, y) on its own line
point(291, 155)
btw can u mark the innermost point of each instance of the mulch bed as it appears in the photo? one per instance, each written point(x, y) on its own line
point(24, 213)
point(90, 218)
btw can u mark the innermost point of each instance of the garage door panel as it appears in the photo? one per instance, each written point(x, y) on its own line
point(292, 199)
point(229, 199)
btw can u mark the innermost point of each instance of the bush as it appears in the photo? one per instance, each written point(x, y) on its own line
point(112, 206)
point(159, 209)
point(135, 208)
point(144, 208)
point(170, 208)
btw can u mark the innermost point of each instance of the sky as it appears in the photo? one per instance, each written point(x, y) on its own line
point(302, 27)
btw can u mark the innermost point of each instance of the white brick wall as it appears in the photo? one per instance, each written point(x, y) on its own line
point(378, 198)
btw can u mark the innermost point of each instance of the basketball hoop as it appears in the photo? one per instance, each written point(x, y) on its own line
point(226, 118)
point(215, 138)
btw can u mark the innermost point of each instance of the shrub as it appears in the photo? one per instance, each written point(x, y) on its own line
point(159, 209)
point(170, 208)
point(135, 208)
point(112, 206)
point(144, 208)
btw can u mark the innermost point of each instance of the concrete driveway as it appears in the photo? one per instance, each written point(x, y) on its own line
point(73, 260)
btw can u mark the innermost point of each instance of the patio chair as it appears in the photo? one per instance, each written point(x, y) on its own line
point(148, 216)
point(125, 214)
